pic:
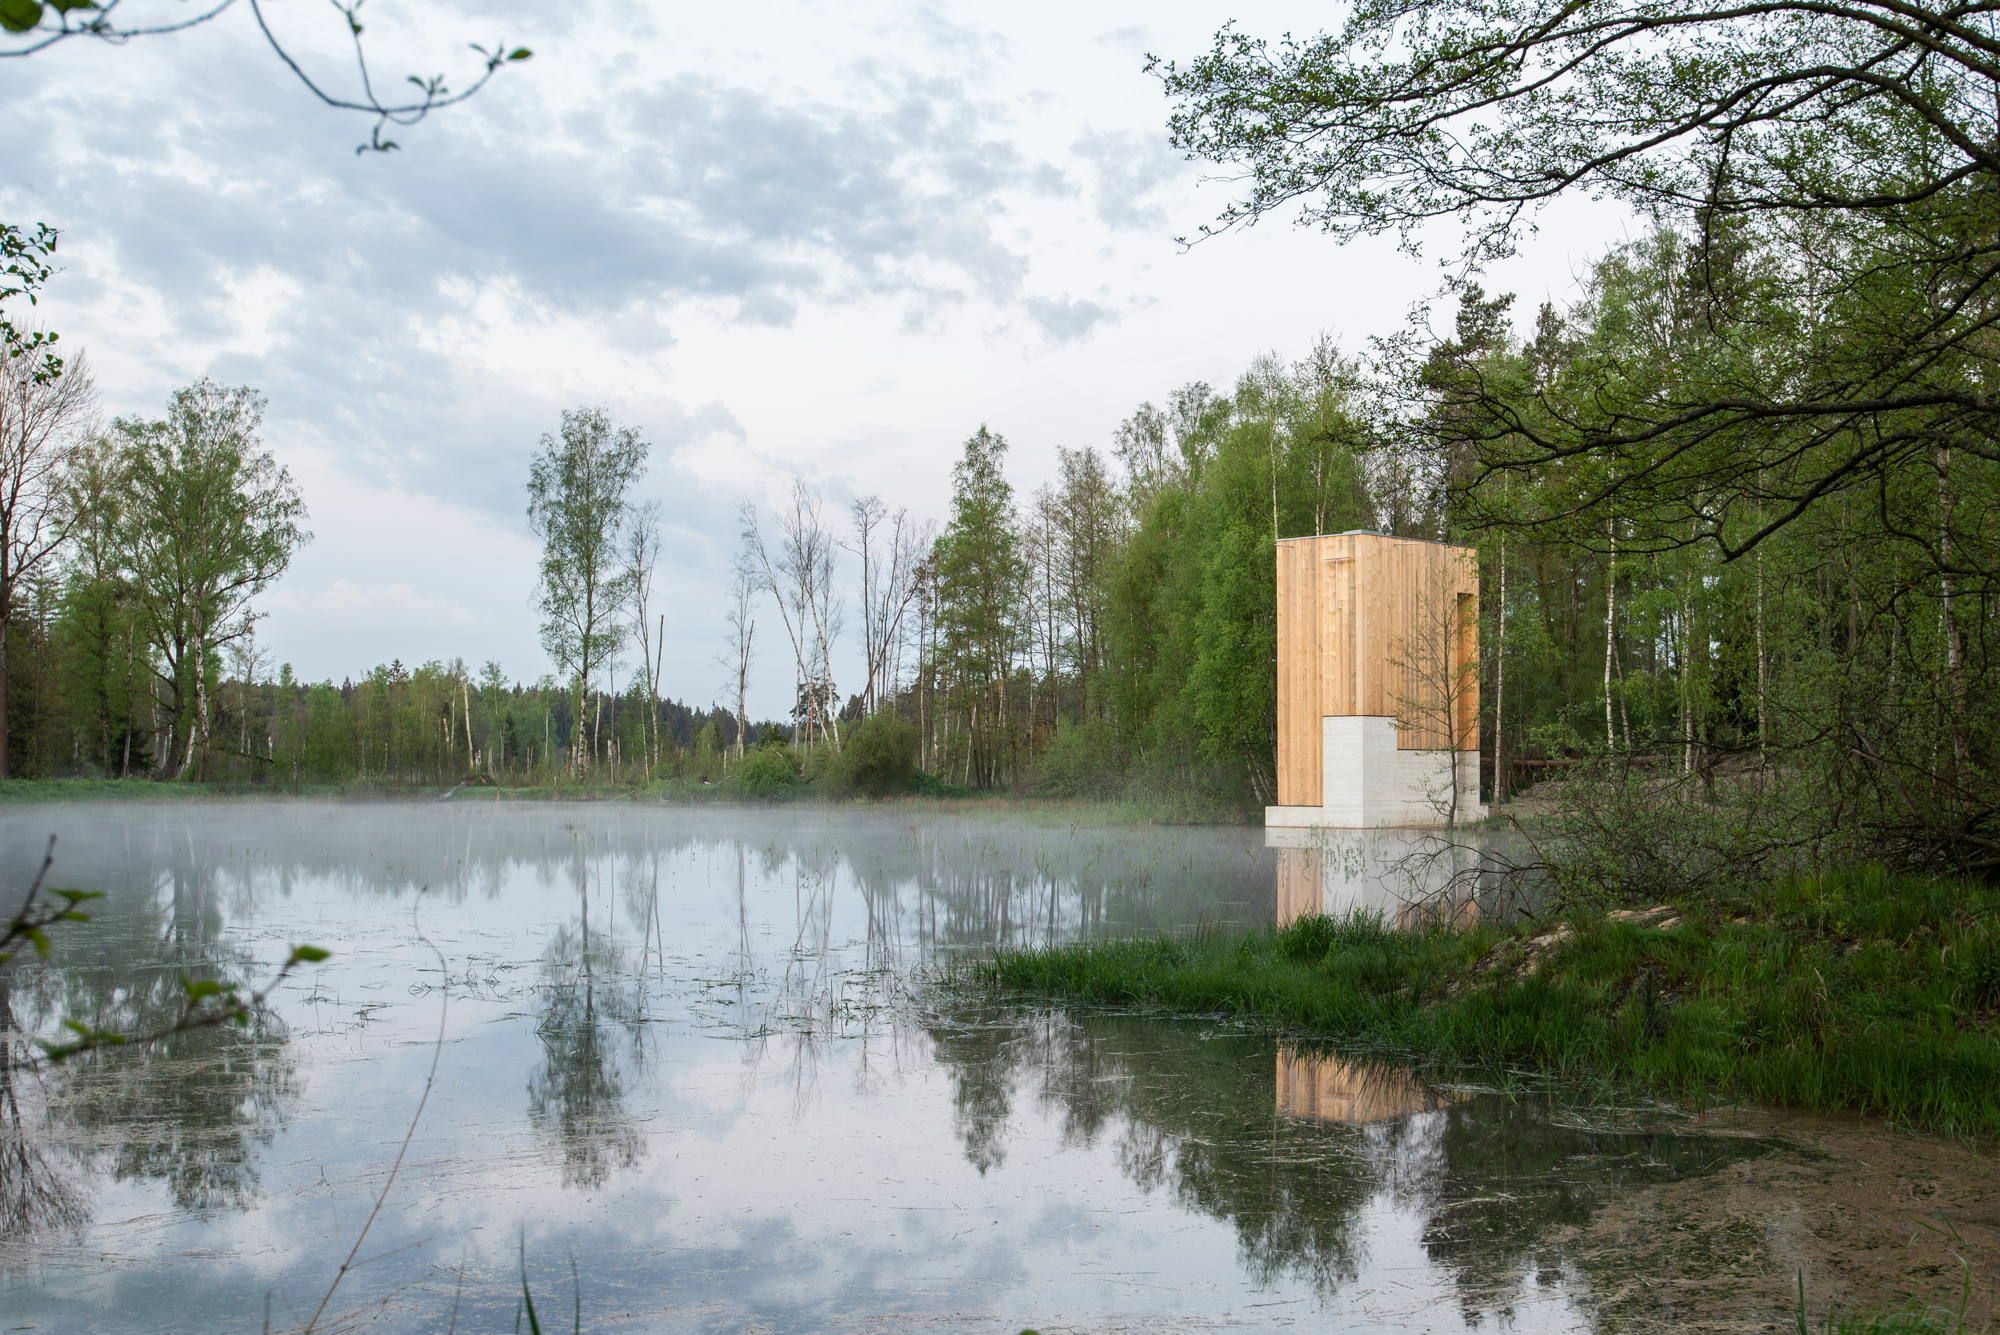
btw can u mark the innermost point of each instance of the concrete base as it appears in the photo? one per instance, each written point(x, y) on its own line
point(1368, 782)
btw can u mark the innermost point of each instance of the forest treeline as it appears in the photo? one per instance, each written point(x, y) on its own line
point(1789, 630)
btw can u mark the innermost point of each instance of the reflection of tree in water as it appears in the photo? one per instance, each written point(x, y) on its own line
point(193, 1109)
point(1190, 1118)
point(1241, 1131)
point(39, 1190)
point(982, 1085)
point(944, 882)
point(591, 1018)
point(1504, 1183)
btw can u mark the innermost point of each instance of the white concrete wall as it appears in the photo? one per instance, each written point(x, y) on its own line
point(1367, 781)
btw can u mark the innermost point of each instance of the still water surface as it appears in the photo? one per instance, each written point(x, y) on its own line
point(692, 1051)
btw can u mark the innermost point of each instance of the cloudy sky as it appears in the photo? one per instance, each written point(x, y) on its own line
point(779, 238)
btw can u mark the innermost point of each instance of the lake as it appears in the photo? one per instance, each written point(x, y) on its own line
point(692, 1076)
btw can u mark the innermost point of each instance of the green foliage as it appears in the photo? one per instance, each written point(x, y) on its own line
point(1858, 992)
point(206, 519)
point(27, 255)
point(1741, 495)
point(1189, 680)
point(1231, 689)
point(766, 772)
point(579, 505)
point(979, 573)
point(878, 757)
point(1083, 759)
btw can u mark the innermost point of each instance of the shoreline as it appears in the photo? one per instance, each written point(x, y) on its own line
point(1861, 993)
point(1079, 811)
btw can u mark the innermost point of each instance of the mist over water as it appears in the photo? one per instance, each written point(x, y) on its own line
point(695, 1051)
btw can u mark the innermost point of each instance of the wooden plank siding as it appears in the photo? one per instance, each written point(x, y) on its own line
point(1361, 619)
point(1298, 675)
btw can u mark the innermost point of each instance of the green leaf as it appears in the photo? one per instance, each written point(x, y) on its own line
point(65, 6)
point(199, 989)
point(36, 935)
point(527, 1297)
point(309, 954)
point(20, 15)
point(519, 53)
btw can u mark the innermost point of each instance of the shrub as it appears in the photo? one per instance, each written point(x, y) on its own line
point(879, 756)
point(1081, 761)
point(766, 772)
point(820, 764)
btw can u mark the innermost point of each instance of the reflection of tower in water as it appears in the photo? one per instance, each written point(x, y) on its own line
point(1324, 1087)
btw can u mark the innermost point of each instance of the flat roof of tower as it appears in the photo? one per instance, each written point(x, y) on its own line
point(1374, 533)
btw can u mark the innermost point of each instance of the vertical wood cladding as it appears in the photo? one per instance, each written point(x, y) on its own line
point(1375, 626)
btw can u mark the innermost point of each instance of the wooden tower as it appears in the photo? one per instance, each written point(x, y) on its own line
point(1378, 682)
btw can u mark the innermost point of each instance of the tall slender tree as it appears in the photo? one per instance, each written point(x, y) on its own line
point(741, 642)
point(980, 574)
point(579, 505)
point(642, 553)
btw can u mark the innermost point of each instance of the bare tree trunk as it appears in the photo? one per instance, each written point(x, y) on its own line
point(1687, 679)
point(1271, 441)
point(198, 726)
point(867, 512)
point(1624, 706)
point(576, 754)
point(1610, 631)
point(1763, 672)
point(803, 696)
point(743, 690)
point(6, 750)
point(1500, 785)
point(653, 688)
point(1954, 657)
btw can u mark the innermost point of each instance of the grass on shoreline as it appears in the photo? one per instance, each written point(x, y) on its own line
point(1859, 992)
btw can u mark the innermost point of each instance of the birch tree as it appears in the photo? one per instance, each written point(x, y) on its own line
point(642, 553)
point(800, 581)
point(579, 505)
point(741, 641)
point(889, 547)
